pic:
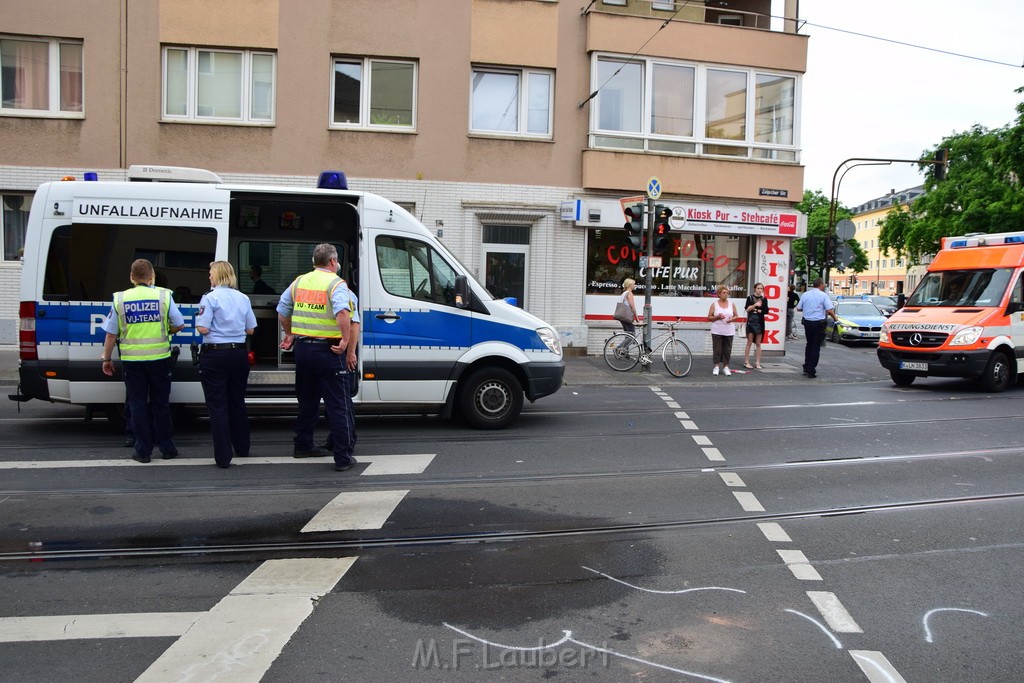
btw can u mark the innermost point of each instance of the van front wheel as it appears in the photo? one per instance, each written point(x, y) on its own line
point(997, 373)
point(491, 398)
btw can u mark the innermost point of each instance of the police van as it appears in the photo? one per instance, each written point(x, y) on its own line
point(965, 318)
point(432, 337)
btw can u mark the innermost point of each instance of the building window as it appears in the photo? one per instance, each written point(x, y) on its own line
point(373, 93)
point(13, 220)
point(666, 6)
point(661, 106)
point(218, 85)
point(511, 101)
point(40, 77)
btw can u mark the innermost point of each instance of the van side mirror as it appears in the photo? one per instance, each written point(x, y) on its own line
point(1013, 307)
point(463, 294)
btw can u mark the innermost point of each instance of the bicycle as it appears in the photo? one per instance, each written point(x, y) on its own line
point(623, 351)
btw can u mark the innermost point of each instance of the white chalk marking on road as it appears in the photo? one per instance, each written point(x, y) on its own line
point(356, 510)
point(239, 639)
point(876, 667)
point(682, 416)
point(379, 464)
point(567, 638)
point(661, 592)
point(731, 479)
point(688, 425)
point(928, 631)
point(84, 626)
point(835, 614)
point(799, 565)
point(713, 454)
point(774, 532)
point(748, 501)
point(835, 641)
point(701, 440)
point(671, 404)
point(823, 405)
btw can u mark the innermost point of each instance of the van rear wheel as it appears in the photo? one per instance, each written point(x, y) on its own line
point(491, 398)
point(996, 377)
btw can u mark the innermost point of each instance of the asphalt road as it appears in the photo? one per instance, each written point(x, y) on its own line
point(632, 526)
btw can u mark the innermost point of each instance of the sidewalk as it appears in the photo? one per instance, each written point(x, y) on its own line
point(839, 364)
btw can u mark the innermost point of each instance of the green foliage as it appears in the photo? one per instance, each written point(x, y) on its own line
point(815, 206)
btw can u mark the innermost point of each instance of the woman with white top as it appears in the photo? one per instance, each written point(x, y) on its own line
point(720, 314)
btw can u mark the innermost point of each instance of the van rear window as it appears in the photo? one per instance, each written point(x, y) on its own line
point(89, 262)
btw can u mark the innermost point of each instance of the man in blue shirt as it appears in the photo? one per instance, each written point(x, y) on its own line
point(816, 306)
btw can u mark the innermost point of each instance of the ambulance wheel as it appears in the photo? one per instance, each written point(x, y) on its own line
point(997, 373)
point(491, 398)
point(902, 379)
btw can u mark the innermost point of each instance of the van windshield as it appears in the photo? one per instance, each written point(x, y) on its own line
point(982, 287)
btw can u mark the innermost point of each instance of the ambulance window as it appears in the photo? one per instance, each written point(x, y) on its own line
point(412, 269)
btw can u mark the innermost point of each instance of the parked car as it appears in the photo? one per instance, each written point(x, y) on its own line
point(859, 321)
point(886, 304)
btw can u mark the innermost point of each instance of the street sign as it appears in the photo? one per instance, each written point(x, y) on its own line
point(845, 229)
point(654, 188)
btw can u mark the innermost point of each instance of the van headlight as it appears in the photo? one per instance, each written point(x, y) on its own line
point(883, 336)
point(550, 339)
point(966, 336)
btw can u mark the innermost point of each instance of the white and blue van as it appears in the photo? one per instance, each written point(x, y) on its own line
point(432, 337)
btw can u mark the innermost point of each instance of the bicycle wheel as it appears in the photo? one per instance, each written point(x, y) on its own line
point(621, 352)
point(677, 357)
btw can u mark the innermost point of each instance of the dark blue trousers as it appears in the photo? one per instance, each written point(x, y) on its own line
point(321, 374)
point(148, 386)
point(815, 332)
point(225, 375)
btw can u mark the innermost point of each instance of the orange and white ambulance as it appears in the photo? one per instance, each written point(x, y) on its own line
point(966, 318)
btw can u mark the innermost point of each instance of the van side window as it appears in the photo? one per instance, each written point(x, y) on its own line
point(1017, 295)
point(413, 269)
point(89, 262)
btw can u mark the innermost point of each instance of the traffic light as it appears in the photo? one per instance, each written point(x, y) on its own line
point(941, 163)
point(635, 225)
point(662, 230)
point(831, 244)
point(812, 251)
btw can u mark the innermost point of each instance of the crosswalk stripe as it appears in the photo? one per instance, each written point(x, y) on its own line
point(81, 626)
point(356, 510)
point(379, 464)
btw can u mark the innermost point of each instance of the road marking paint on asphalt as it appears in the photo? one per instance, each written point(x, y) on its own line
point(835, 641)
point(713, 454)
point(824, 405)
point(379, 464)
point(356, 510)
point(773, 532)
point(688, 425)
point(239, 639)
point(682, 416)
point(876, 667)
point(701, 440)
point(82, 626)
point(671, 404)
point(928, 630)
point(832, 610)
point(731, 479)
point(748, 501)
point(799, 565)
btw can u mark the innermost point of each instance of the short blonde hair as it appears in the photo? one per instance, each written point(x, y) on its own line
point(720, 288)
point(222, 273)
point(628, 282)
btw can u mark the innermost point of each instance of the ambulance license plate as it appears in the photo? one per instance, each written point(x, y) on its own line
point(921, 367)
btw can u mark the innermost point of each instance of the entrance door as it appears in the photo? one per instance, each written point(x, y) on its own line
point(506, 252)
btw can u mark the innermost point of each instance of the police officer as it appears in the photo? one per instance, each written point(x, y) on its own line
point(314, 315)
point(142, 320)
point(352, 361)
point(225, 319)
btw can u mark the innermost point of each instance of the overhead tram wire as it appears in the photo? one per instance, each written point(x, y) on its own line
point(660, 28)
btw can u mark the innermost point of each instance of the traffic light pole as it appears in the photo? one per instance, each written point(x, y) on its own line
point(648, 279)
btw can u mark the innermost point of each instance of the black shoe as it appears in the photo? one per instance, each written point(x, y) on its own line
point(129, 442)
point(169, 455)
point(138, 457)
point(346, 465)
point(224, 465)
point(811, 375)
point(314, 452)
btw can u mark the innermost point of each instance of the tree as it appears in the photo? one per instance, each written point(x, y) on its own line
point(815, 205)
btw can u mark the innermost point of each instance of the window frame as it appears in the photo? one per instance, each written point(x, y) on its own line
point(523, 102)
point(53, 67)
point(366, 94)
point(698, 143)
point(18, 245)
point(246, 90)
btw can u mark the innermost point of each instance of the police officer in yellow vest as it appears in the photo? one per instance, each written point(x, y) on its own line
point(314, 314)
point(143, 318)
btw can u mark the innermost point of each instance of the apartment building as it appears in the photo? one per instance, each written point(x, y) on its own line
point(511, 128)
point(886, 273)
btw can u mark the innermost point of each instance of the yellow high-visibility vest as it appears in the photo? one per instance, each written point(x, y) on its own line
point(312, 312)
point(142, 314)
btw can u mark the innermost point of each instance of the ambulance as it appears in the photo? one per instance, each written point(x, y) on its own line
point(965, 318)
point(433, 338)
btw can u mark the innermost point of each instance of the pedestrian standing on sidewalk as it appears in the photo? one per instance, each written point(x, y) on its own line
point(720, 314)
point(815, 305)
point(225, 320)
point(755, 307)
point(791, 303)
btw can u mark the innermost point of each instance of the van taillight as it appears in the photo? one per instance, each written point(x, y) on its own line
point(27, 331)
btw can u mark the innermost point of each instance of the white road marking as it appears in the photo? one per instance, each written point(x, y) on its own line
point(379, 464)
point(661, 592)
point(824, 405)
point(701, 440)
point(356, 510)
point(682, 416)
point(239, 639)
point(82, 626)
point(832, 610)
point(799, 565)
point(927, 629)
point(748, 501)
point(773, 532)
point(688, 425)
point(835, 641)
point(713, 454)
point(876, 667)
point(731, 479)
point(672, 404)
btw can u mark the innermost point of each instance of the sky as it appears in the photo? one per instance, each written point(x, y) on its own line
point(872, 99)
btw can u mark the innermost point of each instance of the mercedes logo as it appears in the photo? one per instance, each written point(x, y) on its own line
point(915, 339)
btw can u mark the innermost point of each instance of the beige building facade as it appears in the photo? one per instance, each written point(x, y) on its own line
point(511, 128)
